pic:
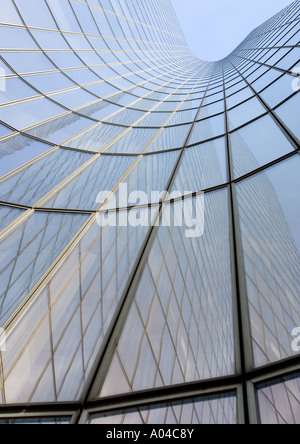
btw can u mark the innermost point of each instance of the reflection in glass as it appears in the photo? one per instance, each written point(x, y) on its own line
point(33, 182)
point(28, 252)
point(289, 114)
point(8, 215)
point(257, 144)
point(202, 167)
point(279, 401)
point(95, 93)
point(51, 351)
point(18, 150)
point(269, 206)
point(220, 410)
point(180, 326)
point(245, 113)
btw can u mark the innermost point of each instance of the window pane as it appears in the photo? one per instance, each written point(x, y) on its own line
point(33, 182)
point(61, 129)
point(181, 318)
point(279, 401)
point(135, 141)
point(289, 114)
point(221, 409)
point(257, 144)
point(28, 252)
point(279, 91)
point(208, 129)
point(8, 215)
point(18, 150)
point(4, 131)
point(101, 175)
point(48, 361)
point(9, 14)
point(269, 205)
point(245, 113)
point(16, 38)
point(35, 13)
point(169, 138)
point(24, 114)
point(202, 167)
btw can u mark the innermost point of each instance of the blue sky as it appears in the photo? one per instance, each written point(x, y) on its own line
point(213, 28)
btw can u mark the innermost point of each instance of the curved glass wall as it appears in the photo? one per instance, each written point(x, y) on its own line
point(173, 325)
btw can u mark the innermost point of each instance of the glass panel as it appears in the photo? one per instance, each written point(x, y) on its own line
point(36, 13)
point(73, 99)
point(290, 60)
point(239, 97)
point(18, 150)
point(180, 326)
point(202, 167)
point(289, 114)
point(4, 131)
point(9, 14)
point(61, 129)
point(169, 138)
point(279, 91)
point(134, 142)
point(16, 38)
point(8, 215)
point(27, 62)
point(64, 15)
point(47, 83)
point(55, 42)
point(51, 351)
point(25, 114)
point(29, 251)
point(257, 144)
point(100, 110)
point(208, 129)
point(279, 401)
point(97, 138)
point(33, 182)
point(15, 89)
point(245, 113)
point(100, 176)
point(221, 409)
point(150, 175)
point(269, 205)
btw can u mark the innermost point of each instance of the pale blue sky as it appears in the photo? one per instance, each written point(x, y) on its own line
point(213, 28)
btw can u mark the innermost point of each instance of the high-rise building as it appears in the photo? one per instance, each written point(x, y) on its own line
point(135, 321)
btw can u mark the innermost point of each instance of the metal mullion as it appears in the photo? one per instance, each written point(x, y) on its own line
point(240, 303)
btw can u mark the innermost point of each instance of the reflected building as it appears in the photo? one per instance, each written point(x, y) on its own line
point(171, 329)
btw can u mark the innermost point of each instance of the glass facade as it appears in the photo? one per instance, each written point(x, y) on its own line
point(139, 322)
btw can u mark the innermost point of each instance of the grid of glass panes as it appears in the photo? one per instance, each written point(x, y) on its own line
point(99, 93)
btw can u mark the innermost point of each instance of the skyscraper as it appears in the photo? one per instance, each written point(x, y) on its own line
point(138, 322)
